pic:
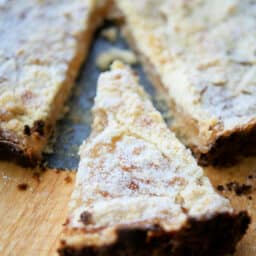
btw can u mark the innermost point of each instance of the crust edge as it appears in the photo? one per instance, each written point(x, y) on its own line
point(12, 148)
point(217, 235)
point(222, 151)
point(9, 150)
point(229, 147)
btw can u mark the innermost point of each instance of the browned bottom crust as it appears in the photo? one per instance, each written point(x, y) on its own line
point(11, 152)
point(215, 236)
point(227, 149)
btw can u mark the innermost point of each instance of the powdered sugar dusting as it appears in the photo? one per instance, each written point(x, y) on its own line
point(133, 169)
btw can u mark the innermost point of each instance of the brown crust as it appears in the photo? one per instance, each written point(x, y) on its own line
point(228, 148)
point(11, 151)
point(12, 148)
point(215, 236)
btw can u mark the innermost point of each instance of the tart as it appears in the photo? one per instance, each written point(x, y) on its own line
point(138, 190)
point(202, 55)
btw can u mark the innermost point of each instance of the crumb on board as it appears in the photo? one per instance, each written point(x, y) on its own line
point(105, 59)
point(22, 186)
point(109, 34)
point(220, 188)
point(237, 188)
point(68, 179)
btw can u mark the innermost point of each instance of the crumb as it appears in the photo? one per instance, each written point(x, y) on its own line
point(57, 171)
point(250, 177)
point(36, 176)
point(22, 186)
point(250, 197)
point(220, 188)
point(68, 179)
point(86, 218)
point(239, 189)
point(27, 130)
point(110, 34)
point(243, 189)
point(229, 186)
point(105, 59)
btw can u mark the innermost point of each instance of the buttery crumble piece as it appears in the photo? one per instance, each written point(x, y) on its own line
point(105, 59)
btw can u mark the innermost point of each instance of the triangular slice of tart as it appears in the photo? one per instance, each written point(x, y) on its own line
point(138, 190)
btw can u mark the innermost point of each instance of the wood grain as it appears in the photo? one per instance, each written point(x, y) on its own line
point(31, 219)
point(240, 173)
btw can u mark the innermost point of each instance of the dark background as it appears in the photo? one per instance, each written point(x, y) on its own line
point(74, 127)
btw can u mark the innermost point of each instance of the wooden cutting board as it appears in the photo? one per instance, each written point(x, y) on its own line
point(33, 207)
point(244, 173)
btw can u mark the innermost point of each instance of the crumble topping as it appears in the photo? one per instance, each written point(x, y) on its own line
point(133, 170)
point(204, 53)
point(38, 61)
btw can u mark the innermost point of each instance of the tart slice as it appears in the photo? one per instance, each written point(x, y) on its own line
point(138, 190)
point(42, 46)
point(202, 55)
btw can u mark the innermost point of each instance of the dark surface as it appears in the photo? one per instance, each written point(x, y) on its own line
point(75, 125)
